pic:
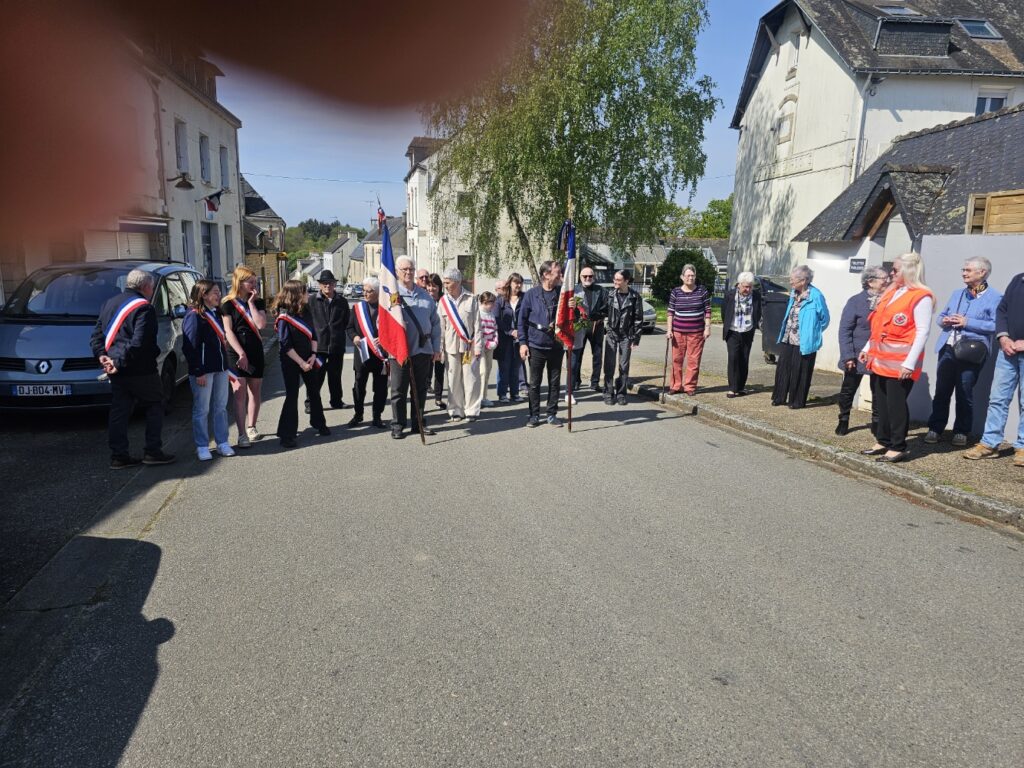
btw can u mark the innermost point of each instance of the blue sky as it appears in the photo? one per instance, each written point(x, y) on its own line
point(288, 133)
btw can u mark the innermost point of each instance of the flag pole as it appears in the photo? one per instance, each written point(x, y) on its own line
point(568, 368)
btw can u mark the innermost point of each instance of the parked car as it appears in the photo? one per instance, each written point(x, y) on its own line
point(650, 318)
point(45, 358)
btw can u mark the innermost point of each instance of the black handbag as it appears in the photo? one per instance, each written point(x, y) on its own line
point(971, 351)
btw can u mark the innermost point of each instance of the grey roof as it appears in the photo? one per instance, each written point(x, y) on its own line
point(422, 147)
point(333, 247)
point(359, 254)
point(929, 176)
point(396, 228)
point(869, 40)
point(255, 205)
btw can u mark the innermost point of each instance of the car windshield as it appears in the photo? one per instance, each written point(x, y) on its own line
point(75, 292)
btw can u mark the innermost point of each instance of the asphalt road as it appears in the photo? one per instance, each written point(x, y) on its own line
point(647, 590)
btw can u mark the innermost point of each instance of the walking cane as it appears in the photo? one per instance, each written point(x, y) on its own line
point(416, 400)
point(664, 374)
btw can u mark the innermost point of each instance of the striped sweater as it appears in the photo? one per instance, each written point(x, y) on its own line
point(689, 311)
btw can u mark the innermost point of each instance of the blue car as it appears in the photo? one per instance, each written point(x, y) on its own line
point(45, 358)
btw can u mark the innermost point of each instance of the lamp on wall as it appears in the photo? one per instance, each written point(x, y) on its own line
point(182, 181)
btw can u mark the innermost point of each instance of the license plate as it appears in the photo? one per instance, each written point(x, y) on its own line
point(41, 390)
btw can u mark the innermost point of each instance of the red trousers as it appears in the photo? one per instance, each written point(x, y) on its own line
point(688, 347)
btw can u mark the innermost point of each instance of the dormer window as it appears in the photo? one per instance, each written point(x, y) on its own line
point(980, 28)
point(898, 10)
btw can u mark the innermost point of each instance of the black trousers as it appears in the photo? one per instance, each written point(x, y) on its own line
point(793, 373)
point(125, 392)
point(616, 361)
point(549, 359)
point(372, 367)
point(738, 347)
point(288, 423)
point(596, 338)
point(332, 372)
point(420, 366)
point(889, 397)
point(438, 380)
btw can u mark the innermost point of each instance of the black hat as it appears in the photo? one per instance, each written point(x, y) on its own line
point(326, 276)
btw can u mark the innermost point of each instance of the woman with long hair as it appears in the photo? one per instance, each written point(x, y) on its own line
point(895, 352)
point(204, 345)
point(245, 315)
point(299, 363)
point(506, 312)
point(435, 287)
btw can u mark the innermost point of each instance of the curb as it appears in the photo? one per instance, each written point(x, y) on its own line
point(944, 494)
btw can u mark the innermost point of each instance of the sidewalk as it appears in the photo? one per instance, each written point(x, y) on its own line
point(993, 489)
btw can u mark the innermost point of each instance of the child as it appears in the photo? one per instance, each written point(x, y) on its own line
point(489, 334)
point(299, 362)
point(204, 347)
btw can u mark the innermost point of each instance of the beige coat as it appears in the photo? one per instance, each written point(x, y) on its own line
point(469, 311)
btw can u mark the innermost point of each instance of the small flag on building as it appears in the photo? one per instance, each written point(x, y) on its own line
point(212, 204)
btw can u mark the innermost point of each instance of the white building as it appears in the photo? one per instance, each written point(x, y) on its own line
point(831, 83)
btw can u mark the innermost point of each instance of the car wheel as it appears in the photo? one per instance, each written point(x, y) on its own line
point(168, 382)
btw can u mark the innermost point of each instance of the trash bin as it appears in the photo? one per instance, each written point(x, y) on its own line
point(774, 299)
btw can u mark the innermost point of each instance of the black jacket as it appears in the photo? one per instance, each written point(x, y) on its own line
point(134, 350)
point(627, 323)
point(729, 309)
point(595, 299)
point(330, 319)
point(1010, 312)
point(854, 330)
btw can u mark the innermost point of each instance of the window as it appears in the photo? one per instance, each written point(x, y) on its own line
point(979, 28)
point(229, 246)
point(188, 242)
point(990, 101)
point(225, 171)
point(204, 158)
point(177, 294)
point(898, 10)
point(210, 261)
point(181, 145)
point(794, 54)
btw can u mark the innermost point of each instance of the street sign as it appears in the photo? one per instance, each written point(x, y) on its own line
point(857, 265)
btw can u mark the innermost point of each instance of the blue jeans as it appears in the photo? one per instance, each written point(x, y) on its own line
point(953, 375)
point(213, 396)
point(509, 364)
point(1006, 379)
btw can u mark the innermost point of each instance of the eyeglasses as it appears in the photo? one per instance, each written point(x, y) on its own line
point(422, 278)
point(586, 277)
point(406, 269)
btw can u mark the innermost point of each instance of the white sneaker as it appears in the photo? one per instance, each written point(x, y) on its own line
point(252, 434)
point(225, 450)
point(243, 442)
point(204, 454)
point(570, 399)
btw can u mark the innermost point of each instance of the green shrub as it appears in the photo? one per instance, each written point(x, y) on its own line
point(670, 270)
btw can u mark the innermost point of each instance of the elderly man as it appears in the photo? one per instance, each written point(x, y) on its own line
point(423, 334)
point(368, 358)
point(741, 316)
point(593, 302)
point(625, 324)
point(538, 346)
point(422, 277)
point(1008, 377)
point(124, 342)
point(461, 346)
point(329, 310)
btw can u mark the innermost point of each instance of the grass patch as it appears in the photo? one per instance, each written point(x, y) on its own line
point(662, 310)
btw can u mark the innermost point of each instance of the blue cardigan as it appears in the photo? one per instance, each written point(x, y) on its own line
point(980, 313)
point(813, 319)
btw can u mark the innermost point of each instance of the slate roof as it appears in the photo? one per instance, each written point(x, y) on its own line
point(396, 228)
point(930, 175)
point(255, 205)
point(869, 40)
point(333, 247)
point(422, 147)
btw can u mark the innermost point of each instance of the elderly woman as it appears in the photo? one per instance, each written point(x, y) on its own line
point(854, 331)
point(968, 323)
point(741, 316)
point(800, 339)
point(894, 354)
point(689, 307)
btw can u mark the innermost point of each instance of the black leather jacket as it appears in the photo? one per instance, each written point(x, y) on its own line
point(627, 322)
point(331, 321)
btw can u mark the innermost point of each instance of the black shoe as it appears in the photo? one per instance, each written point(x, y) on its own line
point(357, 419)
point(901, 456)
point(397, 433)
point(777, 404)
point(594, 386)
point(440, 405)
point(337, 406)
point(323, 431)
point(379, 424)
point(621, 400)
point(873, 451)
point(795, 407)
point(159, 457)
point(123, 462)
point(427, 431)
point(533, 422)
point(609, 401)
point(307, 406)
point(843, 427)
point(288, 442)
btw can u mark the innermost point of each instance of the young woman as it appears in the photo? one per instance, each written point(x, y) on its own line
point(299, 362)
point(205, 348)
point(245, 315)
point(506, 312)
point(435, 287)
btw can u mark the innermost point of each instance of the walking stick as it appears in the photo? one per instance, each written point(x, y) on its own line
point(416, 400)
point(664, 374)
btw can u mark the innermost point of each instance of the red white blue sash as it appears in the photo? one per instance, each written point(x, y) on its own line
point(232, 376)
point(298, 325)
point(452, 311)
point(215, 323)
point(244, 312)
point(368, 332)
point(119, 318)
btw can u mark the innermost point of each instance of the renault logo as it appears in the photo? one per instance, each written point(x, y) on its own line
point(43, 366)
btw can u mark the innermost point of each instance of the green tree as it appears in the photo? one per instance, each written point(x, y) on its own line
point(670, 270)
point(598, 96)
point(715, 221)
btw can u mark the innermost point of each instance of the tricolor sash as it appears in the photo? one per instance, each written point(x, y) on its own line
point(448, 304)
point(215, 323)
point(232, 376)
point(297, 324)
point(119, 318)
point(366, 328)
point(244, 312)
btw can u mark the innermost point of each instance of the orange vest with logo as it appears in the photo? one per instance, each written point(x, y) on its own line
point(892, 334)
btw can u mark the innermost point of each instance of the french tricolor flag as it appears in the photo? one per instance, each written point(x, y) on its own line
point(390, 320)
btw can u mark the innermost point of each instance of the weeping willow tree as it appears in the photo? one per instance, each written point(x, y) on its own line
point(600, 96)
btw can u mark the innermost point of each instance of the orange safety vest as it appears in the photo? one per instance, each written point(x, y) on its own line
point(892, 334)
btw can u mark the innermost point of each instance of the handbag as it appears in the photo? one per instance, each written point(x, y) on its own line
point(971, 351)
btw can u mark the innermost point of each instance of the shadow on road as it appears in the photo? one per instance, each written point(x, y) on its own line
point(92, 665)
